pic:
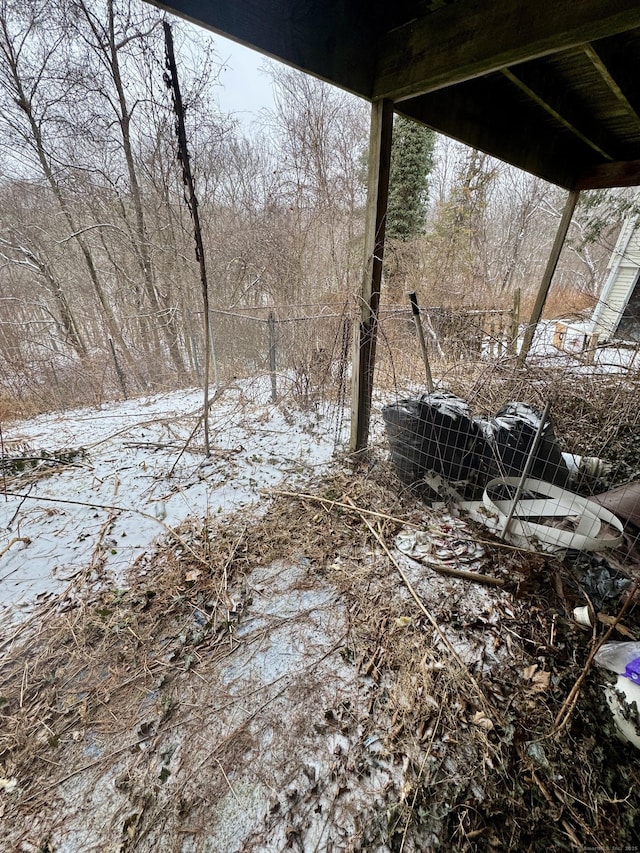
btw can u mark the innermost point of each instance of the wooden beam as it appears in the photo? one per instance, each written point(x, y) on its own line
point(555, 104)
point(330, 40)
point(482, 114)
point(366, 328)
point(489, 115)
point(625, 173)
point(611, 80)
point(552, 263)
point(471, 38)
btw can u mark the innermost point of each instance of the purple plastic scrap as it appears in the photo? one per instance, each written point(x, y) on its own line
point(632, 670)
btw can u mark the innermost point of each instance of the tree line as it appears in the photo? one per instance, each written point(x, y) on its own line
point(96, 249)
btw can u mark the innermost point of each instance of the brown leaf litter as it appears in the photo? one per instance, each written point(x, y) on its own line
point(293, 681)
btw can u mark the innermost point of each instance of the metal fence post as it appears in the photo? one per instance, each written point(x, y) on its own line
point(119, 372)
point(515, 323)
point(271, 324)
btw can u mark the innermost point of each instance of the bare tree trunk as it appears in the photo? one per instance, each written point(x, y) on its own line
point(24, 102)
point(107, 43)
point(67, 320)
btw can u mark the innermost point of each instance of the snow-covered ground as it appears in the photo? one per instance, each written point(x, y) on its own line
point(137, 481)
point(564, 344)
point(571, 354)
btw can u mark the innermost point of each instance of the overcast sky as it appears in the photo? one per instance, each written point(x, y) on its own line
point(245, 89)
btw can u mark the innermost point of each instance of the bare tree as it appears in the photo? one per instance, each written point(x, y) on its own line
point(321, 134)
point(15, 252)
point(33, 84)
point(109, 38)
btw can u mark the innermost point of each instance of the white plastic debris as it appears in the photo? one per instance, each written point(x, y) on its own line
point(583, 616)
point(160, 510)
point(584, 524)
point(585, 467)
point(623, 697)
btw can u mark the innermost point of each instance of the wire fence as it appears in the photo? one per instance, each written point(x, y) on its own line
point(461, 415)
point(545, 454)
point(305, 356)
point(454, 340)
point(304, 353)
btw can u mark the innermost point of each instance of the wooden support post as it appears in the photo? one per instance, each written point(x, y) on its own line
point(365, 330)
point(563, 227)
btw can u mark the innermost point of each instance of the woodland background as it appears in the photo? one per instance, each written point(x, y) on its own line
point(99, 284)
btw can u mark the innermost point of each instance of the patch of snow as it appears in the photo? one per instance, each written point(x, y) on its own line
point(606, 359)
point(136, 481)
point(264, 754)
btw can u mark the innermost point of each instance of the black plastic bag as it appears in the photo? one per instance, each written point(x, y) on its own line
point(434, 432)
point(510, 436)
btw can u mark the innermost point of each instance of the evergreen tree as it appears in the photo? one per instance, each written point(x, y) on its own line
point(411, 163)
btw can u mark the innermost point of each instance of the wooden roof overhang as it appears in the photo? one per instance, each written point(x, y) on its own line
point(550, 86)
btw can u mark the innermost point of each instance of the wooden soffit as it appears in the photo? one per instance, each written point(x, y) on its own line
point(549, 86)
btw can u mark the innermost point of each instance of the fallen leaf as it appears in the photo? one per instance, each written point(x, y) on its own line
point(529, 671)
point(540, 682)
point(193, 575)
point(620, 628)
point(8, 785)
point(481, 720)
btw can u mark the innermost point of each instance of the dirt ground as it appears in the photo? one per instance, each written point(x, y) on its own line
point(289, 680)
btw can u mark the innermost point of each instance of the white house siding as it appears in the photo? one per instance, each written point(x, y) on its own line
point(617, 299)
point(623, 274)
